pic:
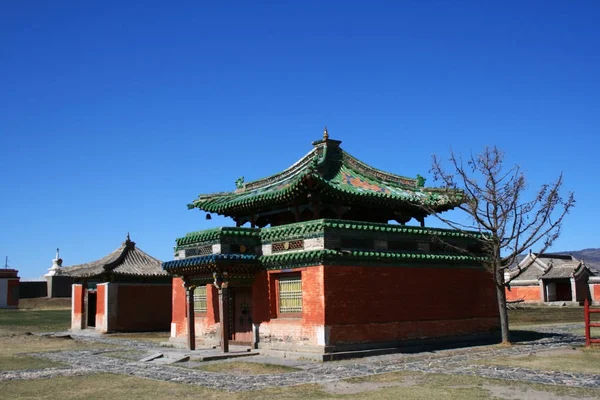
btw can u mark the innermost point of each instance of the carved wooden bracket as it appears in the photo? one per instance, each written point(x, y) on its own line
point(220, 280)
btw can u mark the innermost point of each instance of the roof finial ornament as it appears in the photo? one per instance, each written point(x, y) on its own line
point(57, 253)
point(325, 133)
point(128, 238)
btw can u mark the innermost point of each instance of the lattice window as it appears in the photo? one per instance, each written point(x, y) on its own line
point(290, 294)
point(198, 251)
point(200, 299)
point(287, 246)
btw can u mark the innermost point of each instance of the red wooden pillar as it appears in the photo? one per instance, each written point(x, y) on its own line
point(191, 323)
point(84, 304)
point(224, 318)
point(586, 316)
point(222, 284)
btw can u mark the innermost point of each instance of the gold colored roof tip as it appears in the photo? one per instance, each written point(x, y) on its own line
point(325, 133)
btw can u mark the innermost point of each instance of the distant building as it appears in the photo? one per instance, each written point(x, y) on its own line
point(9, 288)
point(127, 290)
point(548, 277)
point(58, 284)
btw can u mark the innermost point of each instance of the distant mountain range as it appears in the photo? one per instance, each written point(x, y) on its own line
point(590, 256)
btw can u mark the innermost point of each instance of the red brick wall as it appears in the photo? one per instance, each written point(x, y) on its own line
point(302, 330)
point(394, 303)
point(362, 304)
point(527, 293)
point(143, 307)
point(206, 324)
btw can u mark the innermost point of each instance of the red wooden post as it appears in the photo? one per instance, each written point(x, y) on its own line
point(221, 284)
point(586, 316)
point(224, 318)
point(190, 318)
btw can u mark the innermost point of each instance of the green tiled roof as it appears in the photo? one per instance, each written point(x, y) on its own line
point(218, 233)
point(308, 228)
point(336, 175)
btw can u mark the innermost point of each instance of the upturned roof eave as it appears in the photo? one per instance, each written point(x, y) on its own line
point(298, 187)
point(319, 164)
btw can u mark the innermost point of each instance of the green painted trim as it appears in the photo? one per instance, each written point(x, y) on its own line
point(318, 227)
point(327, 257)
point(213, 236)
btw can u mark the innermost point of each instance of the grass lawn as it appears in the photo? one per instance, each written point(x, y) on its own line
point(544, 315)
point(246, 368)
point(21, 321)
point(584, 360)
point(389, 386)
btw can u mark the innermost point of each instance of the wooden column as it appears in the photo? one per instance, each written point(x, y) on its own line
point(191, 323)
point(84, 304)
point(222, 285)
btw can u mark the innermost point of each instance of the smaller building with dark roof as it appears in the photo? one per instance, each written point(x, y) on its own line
point(548, 277)
point(127, 290)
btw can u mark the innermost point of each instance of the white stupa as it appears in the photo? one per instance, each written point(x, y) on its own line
point(56, 264)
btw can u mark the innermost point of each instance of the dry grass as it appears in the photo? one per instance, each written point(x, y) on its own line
point(397, 385)
point(12, 349)
point(246, 368)
point(44, 303)
point(530, 315)
point(584, 360)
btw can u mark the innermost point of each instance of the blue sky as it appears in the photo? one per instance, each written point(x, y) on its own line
point(115, 115)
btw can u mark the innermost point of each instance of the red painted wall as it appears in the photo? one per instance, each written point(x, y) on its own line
point(143, 307)
point(302, 330)
point(100, 311)
point(206, 324)
point(77, 311)
point(362, 304)
point(178, 321)
point(528, 293)
point(100, 299)
point(396, 303)
point(596, 292)
point(78, 303)
point(12, 297)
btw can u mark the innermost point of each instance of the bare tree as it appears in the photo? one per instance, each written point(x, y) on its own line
point(507, 223)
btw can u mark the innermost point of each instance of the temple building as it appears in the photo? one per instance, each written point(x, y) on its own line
point(549, 277)
point(9, 288)
point(125, 291)
point(321, 263)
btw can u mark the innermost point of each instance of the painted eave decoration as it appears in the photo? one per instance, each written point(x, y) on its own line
point(336, 175)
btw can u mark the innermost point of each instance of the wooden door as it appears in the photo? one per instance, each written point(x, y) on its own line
point(242, 315)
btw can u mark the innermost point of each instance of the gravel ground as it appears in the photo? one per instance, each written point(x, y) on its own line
point(461, 361)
